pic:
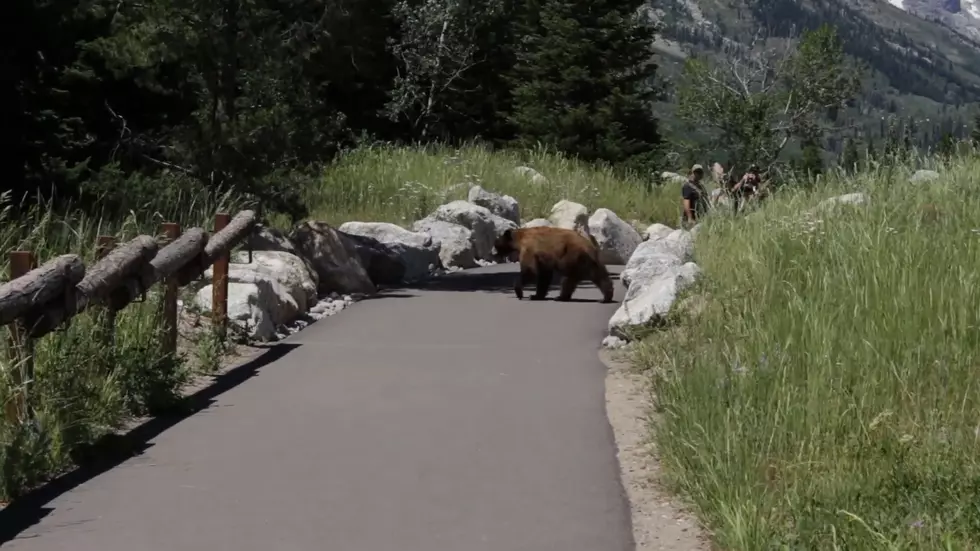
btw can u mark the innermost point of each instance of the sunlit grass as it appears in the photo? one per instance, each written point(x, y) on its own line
point(827, 397)
point(402, 185)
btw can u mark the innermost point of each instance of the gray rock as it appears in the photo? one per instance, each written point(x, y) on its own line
point(616, 239)
point(570, 216)
point(418, 251)
point(458, 248)
point(334, 258)
point(503, 206)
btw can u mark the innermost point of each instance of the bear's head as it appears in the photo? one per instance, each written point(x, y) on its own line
point(505, 247)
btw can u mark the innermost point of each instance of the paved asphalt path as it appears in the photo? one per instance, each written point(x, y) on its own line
point(435, 419)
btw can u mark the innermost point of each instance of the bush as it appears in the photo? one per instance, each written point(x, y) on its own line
point(826, 396)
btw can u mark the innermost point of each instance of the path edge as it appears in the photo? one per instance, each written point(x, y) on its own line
point(659, 522)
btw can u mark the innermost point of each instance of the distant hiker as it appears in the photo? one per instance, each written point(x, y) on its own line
point(694, 198)
point(747, 187)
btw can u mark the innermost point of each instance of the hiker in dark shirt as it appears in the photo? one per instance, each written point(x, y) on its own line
point(693, 196)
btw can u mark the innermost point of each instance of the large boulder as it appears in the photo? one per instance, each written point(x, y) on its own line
point(503, 206)
point(656, 231)
point(383, 265)
point(616, 239)
point(923, 176)
point(287, 271)
point(334, 258)
point(484, 225)
point(418, 251)
point(657, 271)
point(651, 294)
point(538, 223)
point(458, 249)
point(652, 258)
point(679, 243)
point(570, 216)
point(259, 308)
point(855, 199)
point(263, 238)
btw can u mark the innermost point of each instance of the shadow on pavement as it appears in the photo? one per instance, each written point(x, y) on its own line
point(494, 279)
point(114, 449)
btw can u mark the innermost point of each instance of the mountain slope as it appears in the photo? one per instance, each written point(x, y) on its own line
point(917, 68)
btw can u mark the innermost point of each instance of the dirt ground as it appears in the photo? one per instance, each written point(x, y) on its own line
point(659, 520)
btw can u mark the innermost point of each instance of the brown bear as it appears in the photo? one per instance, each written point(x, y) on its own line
point(542, 251)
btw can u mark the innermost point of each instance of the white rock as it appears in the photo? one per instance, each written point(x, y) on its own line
point(616, 239)
point(679, 243)
point(416, 250)
point(613, 343)
point(334, 258)
point(531, 174)
point(484, 225)
point(922, 176)
point(260, 307)
point(538, 223)
point(656, 231)
point(647, 264)
point(847, 199)
point(569, 215)
point(458, 248)
point(503, 206)
point(286, 269)
point(650, 301)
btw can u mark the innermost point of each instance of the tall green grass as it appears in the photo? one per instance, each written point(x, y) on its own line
point(827, 395)
point(86, 385)
point(402, 185)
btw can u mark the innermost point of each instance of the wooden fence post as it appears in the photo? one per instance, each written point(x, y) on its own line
point(171, 289)
point(104, 246)
point(21, 347)
point(219, 282)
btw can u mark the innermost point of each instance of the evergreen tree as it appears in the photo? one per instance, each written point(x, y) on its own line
point(871, 151)
point(810, 163)
point(849, 157)
point(947, 147)
point(583, 80)
point(976, 130)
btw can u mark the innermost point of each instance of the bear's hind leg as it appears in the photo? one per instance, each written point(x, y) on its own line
point(568, 286)
point(605, 284)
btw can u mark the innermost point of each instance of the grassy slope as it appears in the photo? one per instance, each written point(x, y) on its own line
point(826, 395)
point(404, 185)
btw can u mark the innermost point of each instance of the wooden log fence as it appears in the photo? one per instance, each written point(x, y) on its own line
point(38, 300)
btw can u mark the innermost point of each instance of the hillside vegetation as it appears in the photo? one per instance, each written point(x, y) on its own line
point(825, 395)
point(405, 184)
point(919, 77)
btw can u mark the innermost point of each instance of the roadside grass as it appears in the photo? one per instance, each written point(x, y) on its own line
point(84, 387)
point(827, 396)
point(402, 185)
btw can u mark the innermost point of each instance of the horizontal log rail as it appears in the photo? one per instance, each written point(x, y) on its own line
point(39, 299)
